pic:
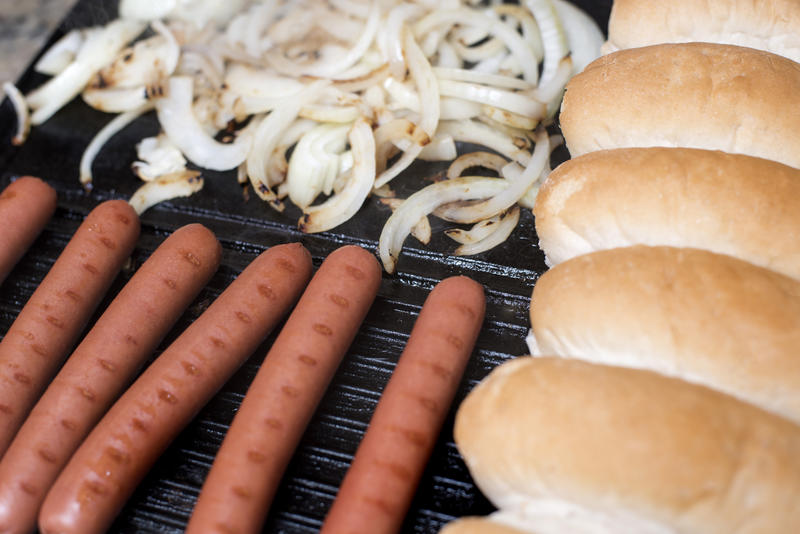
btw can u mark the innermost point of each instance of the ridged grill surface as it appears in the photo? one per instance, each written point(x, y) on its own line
point(165, 499)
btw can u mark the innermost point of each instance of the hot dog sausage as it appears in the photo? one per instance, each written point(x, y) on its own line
point(53, 318)
point(25, 207)
point(281, 400)
point(377, 489)
point(99, 369)
point(107, 467)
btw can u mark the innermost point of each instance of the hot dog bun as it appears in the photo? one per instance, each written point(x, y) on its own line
point(568, 446)
point(699, 316)
point(729, 203)
point(772, 25)
point(480, 525)
point(696, 95)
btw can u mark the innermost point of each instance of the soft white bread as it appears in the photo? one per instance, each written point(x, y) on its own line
point(729, 203)
point(696, 95)
point(479, 525)
point(771, 25)
point(703, 317)
point(627, 451)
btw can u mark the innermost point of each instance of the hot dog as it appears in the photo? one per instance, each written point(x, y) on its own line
point(25, 207)
point(48, 325)
point(100, 367)
point(377, 489)
point(107, 467)
point(289, 385)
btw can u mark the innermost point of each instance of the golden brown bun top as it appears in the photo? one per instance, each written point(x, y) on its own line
point(729, 203)
point(772, 25)
point(696, 95)
point(613, 439)
point(704, 317)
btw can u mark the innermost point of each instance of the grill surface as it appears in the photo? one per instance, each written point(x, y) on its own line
point(165, 499)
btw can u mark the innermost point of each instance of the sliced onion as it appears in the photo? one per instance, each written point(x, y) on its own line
point(552, 91)
point(98, 51)
point(363, 82)
point(509, 196)
point(62, 53)
point(278, 166)
point(326, 66)
point(471, 76)
point(158, 156)
point(422, 230)
point(268, 134)
point(181, 126)
point(474, 54)
point(202, 13)
point(501, 229)
point(441, 148)
point(514, 102)
point(393, 36)
point(101, 138)
point(146, 10)
point(389, 135)
point(487, 160)
point(554, 39)
point(145, 63)
point(471, 131)
point(118, 100)
point(328, 113)
point(530, 29)
point(583, 35)
point(245, 80)
point(510, 119)
point(514, 41)
point(314, 160)
point(343, 205)
point(428, 87)
point(476, 233)
point(21, 110)
point(182, 184)
point(425, 201)
point(454, 109)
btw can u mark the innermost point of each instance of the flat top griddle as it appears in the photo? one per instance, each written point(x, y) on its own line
point(164, 500)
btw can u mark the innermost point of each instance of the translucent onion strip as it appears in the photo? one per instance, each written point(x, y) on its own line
point(501, 228)
point(509, 196)
point(553, 37)
point(422, 230)
point(584, 37)
point(487, 160)
point(424, 202)
point(343, 205)
point(514, 102)
point(62, 53)
point(99, 49)
point(471, 131)
point(494, 80)
point(514, 41)
point(330, 67)
point(182, 184)
point(268, 135)
point(101, 138)
point(183, 129)
point(428, 87)
point(21, 110)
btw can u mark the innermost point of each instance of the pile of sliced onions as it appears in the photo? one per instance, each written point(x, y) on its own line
point(324, 102)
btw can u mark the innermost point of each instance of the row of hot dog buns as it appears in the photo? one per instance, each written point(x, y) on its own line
point(76, 440)
point(673, 301)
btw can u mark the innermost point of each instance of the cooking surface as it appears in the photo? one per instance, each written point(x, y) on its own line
point(165, 499)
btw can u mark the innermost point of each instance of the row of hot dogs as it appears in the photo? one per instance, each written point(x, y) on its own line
point(77, 439)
